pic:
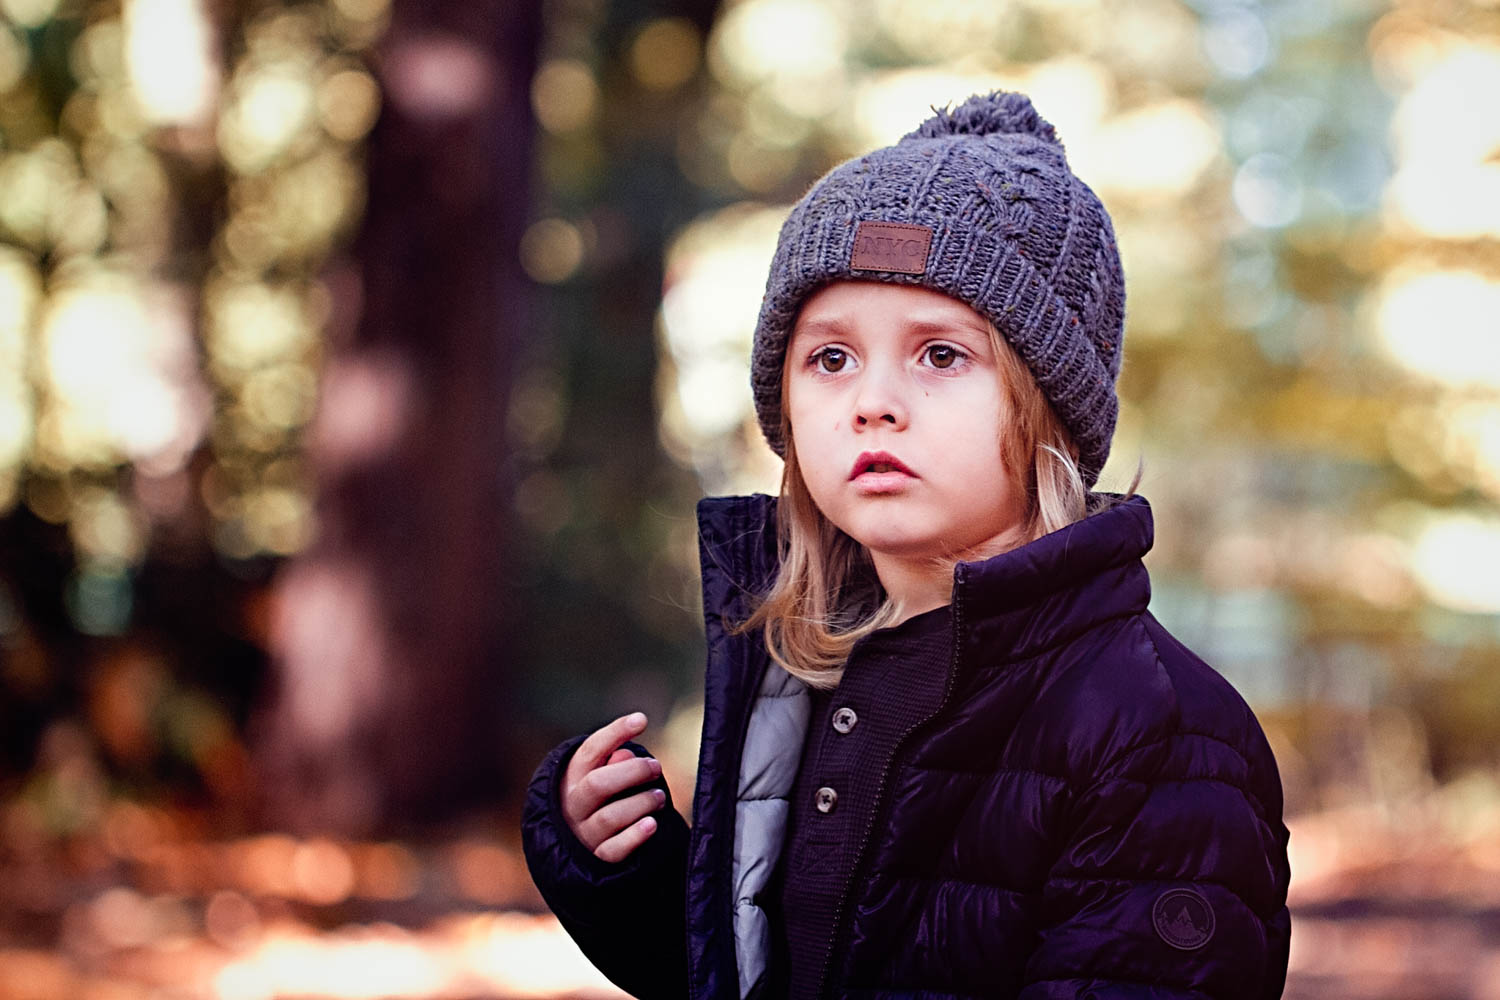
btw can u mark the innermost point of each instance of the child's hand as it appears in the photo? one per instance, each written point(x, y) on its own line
point(600, 769)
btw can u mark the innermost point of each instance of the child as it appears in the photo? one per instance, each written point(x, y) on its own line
point(947, 751)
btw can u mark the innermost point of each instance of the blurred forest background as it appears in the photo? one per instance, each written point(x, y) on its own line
point(361, 362)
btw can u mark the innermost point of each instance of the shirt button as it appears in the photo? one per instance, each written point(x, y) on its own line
point(844, 719)
point(825, 798)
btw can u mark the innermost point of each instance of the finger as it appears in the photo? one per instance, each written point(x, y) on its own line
point(618, 847)
point(594, 789)
point(601, 742)
point(624, 753)
point(617, 816)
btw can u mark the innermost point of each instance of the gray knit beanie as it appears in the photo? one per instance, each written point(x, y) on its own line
point(977, 203)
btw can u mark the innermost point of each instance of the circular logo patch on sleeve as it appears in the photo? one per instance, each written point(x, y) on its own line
point(1183, 919)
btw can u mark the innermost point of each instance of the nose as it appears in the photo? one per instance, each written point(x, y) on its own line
point(878, 401)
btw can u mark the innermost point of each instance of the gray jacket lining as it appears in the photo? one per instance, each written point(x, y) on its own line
point(768, 773)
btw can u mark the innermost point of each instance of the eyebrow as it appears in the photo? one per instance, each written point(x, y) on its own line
point(942, 326)
point(835, 326)
point(817, 326)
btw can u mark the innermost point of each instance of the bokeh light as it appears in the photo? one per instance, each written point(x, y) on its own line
point(552, 250)
point(1453, 558)
point(270, 108)
point(564, 95)
point(759, 41)
point(665, 54)
point(112, 380)
point(1448, 183)
point(716, 275)
point(1268, 191)
point(169, 51)
point(1442, 324)
point(107, 364)
point(1120, 155)
point(28, 13)
point(1236, 41)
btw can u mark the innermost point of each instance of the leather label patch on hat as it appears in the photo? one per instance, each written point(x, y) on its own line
point(890, 246)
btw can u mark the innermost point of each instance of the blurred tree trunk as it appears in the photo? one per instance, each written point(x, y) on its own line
point(388, 634)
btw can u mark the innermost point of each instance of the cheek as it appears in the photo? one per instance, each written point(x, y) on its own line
point(990, 441)
point(795, 405)
point(810, 422)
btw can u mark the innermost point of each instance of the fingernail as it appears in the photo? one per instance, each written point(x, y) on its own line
point(654, 765)
point(636, 718)
point(661, 796)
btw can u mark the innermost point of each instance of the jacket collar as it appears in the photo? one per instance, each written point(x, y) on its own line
point(1060, 585)
point(1012, 604)
point(737, 547)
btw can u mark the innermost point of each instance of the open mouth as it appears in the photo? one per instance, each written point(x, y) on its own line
point(877, 463)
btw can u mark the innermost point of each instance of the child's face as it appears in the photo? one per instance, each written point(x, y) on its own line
point(897, 412)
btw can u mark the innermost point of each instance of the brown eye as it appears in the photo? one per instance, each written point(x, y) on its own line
point(831, 359)
point(942, 355)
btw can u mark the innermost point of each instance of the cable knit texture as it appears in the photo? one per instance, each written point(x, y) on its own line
point(1015, 235)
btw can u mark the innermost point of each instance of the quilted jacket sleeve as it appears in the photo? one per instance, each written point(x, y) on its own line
point(1172, 880)
point(627, 917)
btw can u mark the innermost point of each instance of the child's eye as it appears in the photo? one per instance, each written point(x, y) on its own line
point(943, 355)
point(830, 359)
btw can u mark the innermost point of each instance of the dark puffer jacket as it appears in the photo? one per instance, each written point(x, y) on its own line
point(1085, 809)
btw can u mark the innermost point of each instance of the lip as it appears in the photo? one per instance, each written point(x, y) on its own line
point(862, 467)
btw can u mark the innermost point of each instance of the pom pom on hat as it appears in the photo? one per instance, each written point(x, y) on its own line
point(1000, 112)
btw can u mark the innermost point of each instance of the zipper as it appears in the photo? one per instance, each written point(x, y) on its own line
point(840, 921)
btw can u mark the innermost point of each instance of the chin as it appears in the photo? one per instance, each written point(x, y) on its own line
point(899, 541)
point(905, 540)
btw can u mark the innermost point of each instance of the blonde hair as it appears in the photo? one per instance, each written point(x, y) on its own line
point(812, 615)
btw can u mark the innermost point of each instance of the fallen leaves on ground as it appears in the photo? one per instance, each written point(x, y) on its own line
point(1388, 903)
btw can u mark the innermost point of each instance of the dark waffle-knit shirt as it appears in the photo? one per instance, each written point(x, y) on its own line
point(893, 678)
